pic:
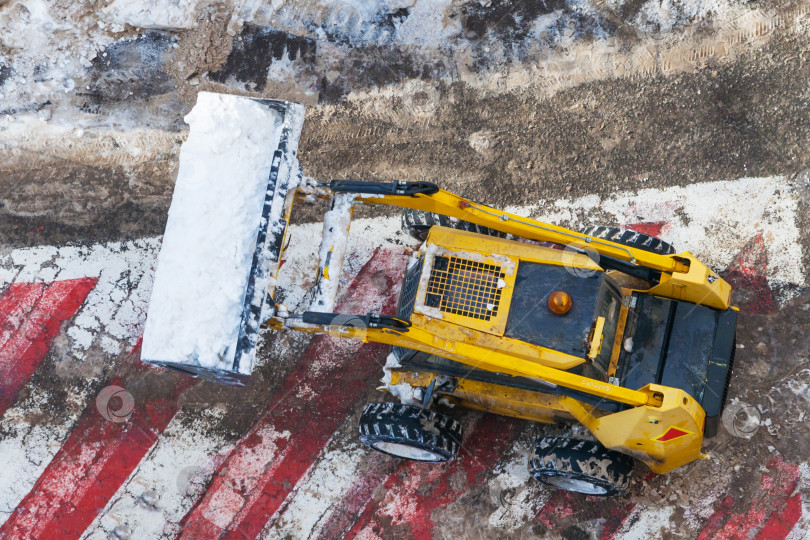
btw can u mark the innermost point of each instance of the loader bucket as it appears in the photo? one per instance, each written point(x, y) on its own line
point(220, 251)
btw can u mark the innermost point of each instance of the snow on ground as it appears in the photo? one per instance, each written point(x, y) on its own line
point(802, 529)
point(115, 310)
point(649, 523)
point(29, 449)
point(158, 14)
point(517, 499)
point(52, 46)
point(49, 46)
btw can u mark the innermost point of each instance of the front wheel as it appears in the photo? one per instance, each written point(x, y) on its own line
point(410, 432)
point(581, 466)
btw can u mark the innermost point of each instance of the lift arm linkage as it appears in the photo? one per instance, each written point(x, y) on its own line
point(395, 332)
point(430, 198)
point(683, 277)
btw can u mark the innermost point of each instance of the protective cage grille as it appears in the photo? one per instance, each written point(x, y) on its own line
point(407, 299)
point(464, 287)
point(409, 286)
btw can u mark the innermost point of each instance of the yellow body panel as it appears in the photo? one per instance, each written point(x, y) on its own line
point(652, 412)
point(495, 398)
point(521, 349)
point(698, 285)
point(633, 431)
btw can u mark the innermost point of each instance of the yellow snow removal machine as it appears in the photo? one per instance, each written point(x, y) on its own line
point(606, 327)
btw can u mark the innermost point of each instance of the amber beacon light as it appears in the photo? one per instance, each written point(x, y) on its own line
point(560, 302)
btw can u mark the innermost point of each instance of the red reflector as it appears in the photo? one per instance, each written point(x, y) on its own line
point(672, 433)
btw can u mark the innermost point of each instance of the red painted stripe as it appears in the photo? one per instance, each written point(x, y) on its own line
point(722, 513)
point(747, 275)
point(771, 505)
point(415, 490)
point(652, 228)
point(616, 517)
point(356, 500)
point(560, 506)
point(31, 315)
point(564, 508)
point(91, 465)
point(781, 523)
point(313, 401)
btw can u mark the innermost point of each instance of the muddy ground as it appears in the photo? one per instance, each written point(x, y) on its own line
point(602, 100)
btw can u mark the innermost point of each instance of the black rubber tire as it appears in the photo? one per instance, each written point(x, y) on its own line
point(574, 464)
point(383, 426)
point(630, 238)
point(417, 224)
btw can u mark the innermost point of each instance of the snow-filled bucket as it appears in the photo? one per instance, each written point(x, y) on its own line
point(220, 252)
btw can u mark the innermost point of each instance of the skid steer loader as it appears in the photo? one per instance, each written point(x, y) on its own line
point(606, 327)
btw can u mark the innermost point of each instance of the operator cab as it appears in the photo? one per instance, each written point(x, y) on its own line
point(502, 287)
point(593, 295)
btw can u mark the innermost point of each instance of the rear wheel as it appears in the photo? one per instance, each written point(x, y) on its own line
point(417, 223)
point(630, 238)
point(410, 432)
point(581, 466)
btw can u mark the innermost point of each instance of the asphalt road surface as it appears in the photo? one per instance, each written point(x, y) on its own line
point(685, 119)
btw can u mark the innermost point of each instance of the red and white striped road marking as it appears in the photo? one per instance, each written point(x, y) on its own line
point(31, 314)
point(415, 490)
point(772, 515)
point(261, 472)
point(89, 468)
point(606, 518)
point(108, 322)
point(730, 231)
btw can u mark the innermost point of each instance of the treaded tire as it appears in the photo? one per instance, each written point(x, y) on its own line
point(581, 466)
point(630, 238)
point(417, 223)
point(410, 432)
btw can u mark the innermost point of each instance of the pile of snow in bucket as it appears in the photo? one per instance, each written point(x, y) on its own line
point(205, 260)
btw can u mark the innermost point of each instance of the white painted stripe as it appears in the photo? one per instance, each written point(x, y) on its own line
point(801, 531)
point(518, 498)
point(167, 481)
point(318, 493)
point(646, 523)
point(713, 220)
